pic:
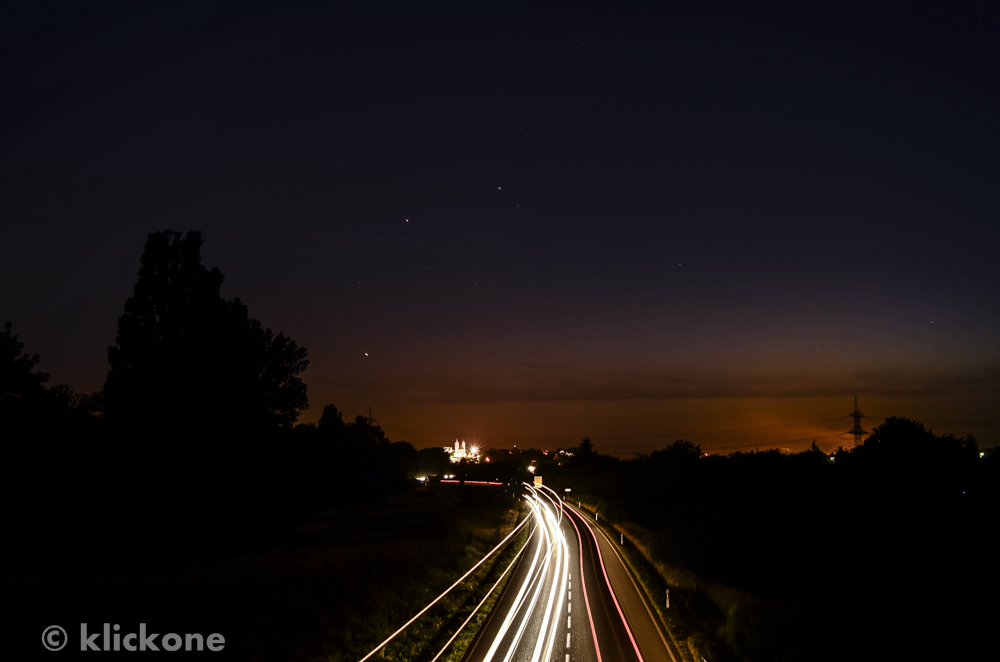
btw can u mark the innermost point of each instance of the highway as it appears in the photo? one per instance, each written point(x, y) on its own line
point(570, 598)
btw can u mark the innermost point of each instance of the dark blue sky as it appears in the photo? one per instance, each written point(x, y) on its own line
point(623, 222)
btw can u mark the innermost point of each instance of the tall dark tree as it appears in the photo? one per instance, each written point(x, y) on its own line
point(185, 359)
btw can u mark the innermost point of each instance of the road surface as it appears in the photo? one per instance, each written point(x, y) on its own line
point(570, 598)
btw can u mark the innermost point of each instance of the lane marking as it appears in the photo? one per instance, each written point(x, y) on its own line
point(642, 595)
point(586, 599)
point(567, 640)
point(600, 557)
point(567, 622)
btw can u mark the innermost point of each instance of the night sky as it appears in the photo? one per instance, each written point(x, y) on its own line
point(635, 224)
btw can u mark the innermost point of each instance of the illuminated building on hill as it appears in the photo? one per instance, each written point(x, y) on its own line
point(460, 452)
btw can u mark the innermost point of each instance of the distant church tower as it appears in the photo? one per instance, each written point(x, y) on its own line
point(857, 430)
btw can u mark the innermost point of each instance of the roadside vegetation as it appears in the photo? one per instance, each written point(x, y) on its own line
point(331, 589)
point(872, 553)
point(422, 641)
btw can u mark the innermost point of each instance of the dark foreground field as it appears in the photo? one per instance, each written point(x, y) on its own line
point(329, 588)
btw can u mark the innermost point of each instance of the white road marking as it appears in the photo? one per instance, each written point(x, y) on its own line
point(567, 640)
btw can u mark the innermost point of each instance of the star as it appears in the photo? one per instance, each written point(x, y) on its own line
point(366, 353)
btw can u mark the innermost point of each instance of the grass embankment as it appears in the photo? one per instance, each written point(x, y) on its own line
point(334, 589)
point(425, 638)
point(701, 614)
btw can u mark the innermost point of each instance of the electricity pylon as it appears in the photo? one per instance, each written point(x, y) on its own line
point(857, 430)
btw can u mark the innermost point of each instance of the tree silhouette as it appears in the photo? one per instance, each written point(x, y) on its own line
point(186, 359)
point(679, 452)
point(27, 406)
point(331, 423)
point(21, 387)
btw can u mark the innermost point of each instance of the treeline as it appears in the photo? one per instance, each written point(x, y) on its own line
point(191, 446)
point(883, 550)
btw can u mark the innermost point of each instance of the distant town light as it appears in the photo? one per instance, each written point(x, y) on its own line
point(531, 468)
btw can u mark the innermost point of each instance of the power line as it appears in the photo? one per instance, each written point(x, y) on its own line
point(692, 434)
point(769, 442)
point(679, 435)
point(788, 441)
point(957, 423)
point(671, 435)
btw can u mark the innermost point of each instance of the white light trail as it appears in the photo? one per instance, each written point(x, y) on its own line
point(534, 597)
point(525, 586)
point(558, 586)
point(557, 574)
